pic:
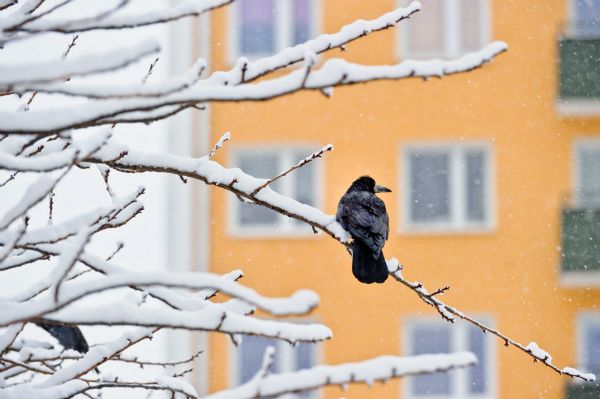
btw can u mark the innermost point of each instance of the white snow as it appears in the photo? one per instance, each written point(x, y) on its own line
point(576, 373)
point(126, 20)
point(378, 369)
point(12, 75)
point(333, 72)
point(539, 353)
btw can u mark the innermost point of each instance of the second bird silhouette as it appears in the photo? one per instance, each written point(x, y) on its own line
point(363, 215)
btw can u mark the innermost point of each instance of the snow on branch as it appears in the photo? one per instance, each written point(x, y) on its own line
point(449, 313)
point(143, 89)
point(379, 369)
point(212, 317)
point(96, 356)
point(333, 73)
point(57, 159)
point(7, 3)
point(187, 8)
point(247, 71)
point(34, 194)
point(13, 75)
point(301, 302)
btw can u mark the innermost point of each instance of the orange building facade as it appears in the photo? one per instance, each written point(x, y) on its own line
point(495, 177)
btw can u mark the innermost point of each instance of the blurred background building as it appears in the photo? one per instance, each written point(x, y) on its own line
point(496, 191)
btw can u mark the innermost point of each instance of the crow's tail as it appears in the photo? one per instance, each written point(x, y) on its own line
point(365, 267)
point(70, 337)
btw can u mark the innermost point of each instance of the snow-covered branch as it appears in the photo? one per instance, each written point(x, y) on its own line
point(14, 75)
point(449, 314)
point(380, 369)
point(186, 8)
point(244, 186)
point(334, 72)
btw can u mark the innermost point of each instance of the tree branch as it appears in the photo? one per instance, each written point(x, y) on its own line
point(241, 185)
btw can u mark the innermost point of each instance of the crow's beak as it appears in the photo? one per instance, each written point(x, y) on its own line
point(381, 189)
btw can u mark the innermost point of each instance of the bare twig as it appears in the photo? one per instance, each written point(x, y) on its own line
point(150, 69)
point(50, 207)
point(70, 46)
point(120, 246)
point(300, 164)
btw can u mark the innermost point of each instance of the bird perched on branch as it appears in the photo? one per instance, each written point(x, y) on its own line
point(70, 337)
point(363, 214)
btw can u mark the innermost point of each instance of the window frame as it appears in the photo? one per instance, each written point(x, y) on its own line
point(283, 29)
point(285, 351)
point(284, 227)
point(581, 143)
point(458, 342)
point(458, 223)
point(452, 47)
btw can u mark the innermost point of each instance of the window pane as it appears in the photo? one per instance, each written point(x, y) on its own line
point(471, 18)
point(264, 166)
point(302, 18)
point(304, 180)
point(475, 186)
point(304, 360)
point(304, 356)
point(250, 355)
point(304, 184)
point(587, 17)
point(592, 339)
point(426, 29)
point(429, 187)
point(589, 183)
point(476, 379)
point(257, 27)
point(431, 339)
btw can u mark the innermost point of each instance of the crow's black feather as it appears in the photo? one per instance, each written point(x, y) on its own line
point(364, 216)
point(70, 337)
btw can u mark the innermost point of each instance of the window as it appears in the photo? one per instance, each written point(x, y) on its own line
point(263, 27)
point(445, 28)
point(585, 18)
point(249, 355)
point(447, 188)
point(302, 184)
point(588, 342)
point(428, 336)
point(587, 170)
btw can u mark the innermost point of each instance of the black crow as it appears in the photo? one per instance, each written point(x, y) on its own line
point(363, 214)
point(70, 337)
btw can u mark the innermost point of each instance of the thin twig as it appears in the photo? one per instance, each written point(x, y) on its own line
point(150, 69)
point(70, 46)
point(120, 246)
point(300, 164)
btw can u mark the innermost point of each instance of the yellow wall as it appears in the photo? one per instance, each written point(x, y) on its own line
point(509, 273)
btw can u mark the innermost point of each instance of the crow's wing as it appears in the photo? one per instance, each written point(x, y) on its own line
point(363, 214)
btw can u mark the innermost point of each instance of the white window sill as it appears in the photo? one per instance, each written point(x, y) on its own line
point(580, 279)
point(450, 396)
point(581, 108)
point(446, 229)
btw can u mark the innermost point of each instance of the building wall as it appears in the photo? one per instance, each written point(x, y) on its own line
point(509, 273)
